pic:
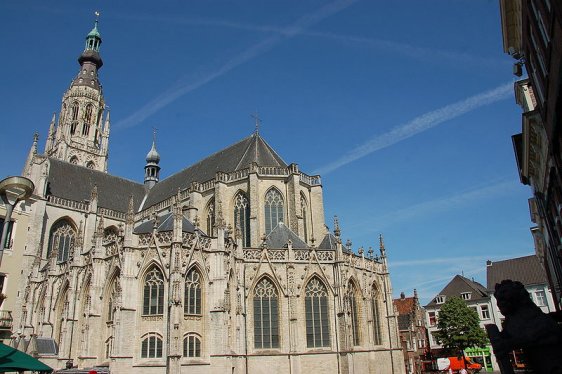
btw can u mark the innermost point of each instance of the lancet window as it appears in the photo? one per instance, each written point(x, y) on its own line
point(375, 310)
point(153, 300)
point(242, 217)
point(316, 314)
point(274, 206)
point(351, 301)
point(61, 240)
point(192, 294)
point(266, 315)
point(192, 346)
point(304, 207)
point(210, 217)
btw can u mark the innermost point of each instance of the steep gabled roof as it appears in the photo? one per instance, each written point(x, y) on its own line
point(526, 270)
point(235, 157)
point(405, 305)
point(280, 235)
point(459, 285)
point(329, 242)
point(76, 183)
point(165, 223)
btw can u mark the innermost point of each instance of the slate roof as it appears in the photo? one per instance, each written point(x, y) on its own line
point(280, 235)
point(166, 223)
point(526, 270)
point(235, 157)
point(460, 284)
point(329, 242)
point(76, 183)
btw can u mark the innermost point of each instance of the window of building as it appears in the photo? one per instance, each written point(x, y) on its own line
point(85, 129)
point(304, 206)
point(192, 294)
point(440, 299)
point(151, 346)
point(242, 217)
point(485, 312)
point(8, 241)
point(191, 346)
point(88, 114)
point(540, 298)
point(316, 314)
point(153, 300)
point(432, 318)
point(266, 315)
point(351, 301)
point(466, 295)
point(74, 112)
point(541, 24)
point(273, 209)
point(91, 165)
point(375, 309)
point(61, 240)
point(210, 219)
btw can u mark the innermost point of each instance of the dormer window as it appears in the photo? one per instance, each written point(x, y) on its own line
point(466, 295)
point(440, 299)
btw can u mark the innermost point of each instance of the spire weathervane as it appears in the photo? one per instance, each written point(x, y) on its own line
point(256, 116)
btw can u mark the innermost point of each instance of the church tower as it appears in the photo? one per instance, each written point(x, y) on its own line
point(81, 136)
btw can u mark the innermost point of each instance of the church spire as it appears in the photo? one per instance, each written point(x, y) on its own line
point(151, 169)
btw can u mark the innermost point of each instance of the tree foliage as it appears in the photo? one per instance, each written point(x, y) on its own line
point(459, 326)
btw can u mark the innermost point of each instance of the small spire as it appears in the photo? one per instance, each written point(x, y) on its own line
point(381, 246)
point(337, 231)
point(35, 140)
point(257, 118)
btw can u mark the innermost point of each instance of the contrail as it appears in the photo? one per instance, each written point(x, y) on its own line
point(419, 124)
point(254, 51)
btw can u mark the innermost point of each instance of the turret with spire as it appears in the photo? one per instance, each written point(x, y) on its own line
point(81, 136)
point(151, 169)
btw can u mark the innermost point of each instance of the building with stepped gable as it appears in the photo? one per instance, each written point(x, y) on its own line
point(224, 267)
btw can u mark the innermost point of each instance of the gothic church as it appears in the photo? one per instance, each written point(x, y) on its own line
point(224, 267)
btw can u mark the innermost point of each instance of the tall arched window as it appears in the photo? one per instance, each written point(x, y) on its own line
point(114, 294)
point(375, 309)
point(242, 217)
point(192, 294)
point(266, 315)
point(304, 206)
point(74, 111)
point(153, 300)
point(88, 113)
point(316, 313)
point(85, 129)
point(192, 346)
point(210, 219)
point(61, 240)
point(351, 301)
point(151, 346)
point(273, 209)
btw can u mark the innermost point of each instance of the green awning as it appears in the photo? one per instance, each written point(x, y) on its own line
point(12, 360)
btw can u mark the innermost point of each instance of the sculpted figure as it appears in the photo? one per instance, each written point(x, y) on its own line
point(527, 327)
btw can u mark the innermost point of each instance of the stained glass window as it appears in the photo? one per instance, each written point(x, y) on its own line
point(192, 294)
point(61, 240)
point(316, 313)
point(351, 301)
point(153, 300)
point(273, 209)
point(242, 217)
point(375, 309)
point(266, 315)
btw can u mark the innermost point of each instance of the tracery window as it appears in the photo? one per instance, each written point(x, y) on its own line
point(210, 217)
point(375, 309)
point(242, 217)
point(351, 301)
point(153, 301)
point(191, 346)
point(74, 111)
point(90, 165)
point(304, 218)
point(266, 315)
point(151, 346)
point(74, 160)
point(192, 294)
point(273, 209)
point(88, 113)
point(316, 313)
point(113, 298)
point(61, 240)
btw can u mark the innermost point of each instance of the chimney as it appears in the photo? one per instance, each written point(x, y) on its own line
point(488, 263)
point(402, 295)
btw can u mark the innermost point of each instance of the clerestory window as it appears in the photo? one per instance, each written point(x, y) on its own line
point(274, 207)
point(242, 217)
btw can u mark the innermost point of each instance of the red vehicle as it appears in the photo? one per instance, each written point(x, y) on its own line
point(456, 363)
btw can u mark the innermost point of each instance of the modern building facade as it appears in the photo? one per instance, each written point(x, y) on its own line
point(413, 333)
point(225, 266)
point(476, 297)
point(532, 35)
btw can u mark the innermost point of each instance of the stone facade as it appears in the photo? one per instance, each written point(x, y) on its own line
point(225, 266)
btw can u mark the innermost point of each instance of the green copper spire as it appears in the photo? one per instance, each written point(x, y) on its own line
point(93, 39)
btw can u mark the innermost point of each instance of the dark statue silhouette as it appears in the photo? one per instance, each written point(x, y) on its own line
point(525, 327)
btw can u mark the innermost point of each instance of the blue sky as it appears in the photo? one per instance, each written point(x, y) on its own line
point(405, 108)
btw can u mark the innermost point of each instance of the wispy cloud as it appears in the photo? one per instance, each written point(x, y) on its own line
point(252, 52)
point(450, 261)
point(443, 204)
point(420, 124)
